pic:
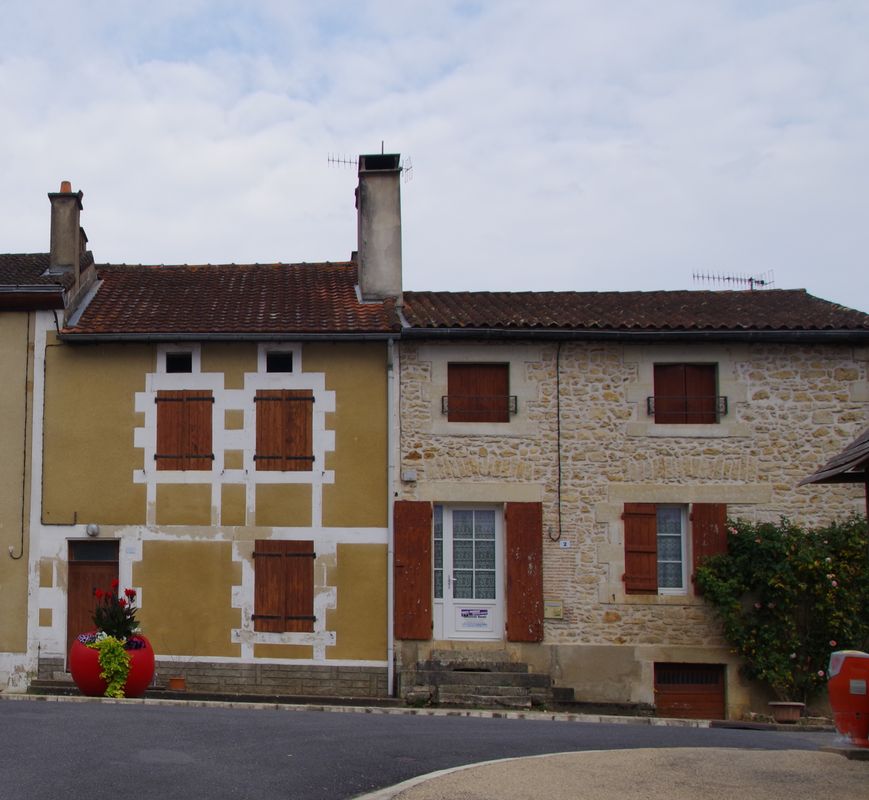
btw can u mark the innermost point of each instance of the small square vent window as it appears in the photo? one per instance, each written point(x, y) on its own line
point(179, 362)
point(277, 361)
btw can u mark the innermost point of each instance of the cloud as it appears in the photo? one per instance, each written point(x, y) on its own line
point(555, 146)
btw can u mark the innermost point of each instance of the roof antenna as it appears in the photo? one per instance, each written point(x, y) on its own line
point(406, 165)
point(766, 280)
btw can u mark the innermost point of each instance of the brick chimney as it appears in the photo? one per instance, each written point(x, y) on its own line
point(378, 205)
point(67, 237)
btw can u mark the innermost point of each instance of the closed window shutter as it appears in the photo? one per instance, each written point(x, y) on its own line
point(299, 577)
point(700, 392)
point(284, 430)
point(184, 423)
point(478, 392)
point(641, 548)
point(284, 586)
point(413, 570)
point(269, 587)
point(524, 535)
point(170, 430)
point(669, 394)
point(708, 531)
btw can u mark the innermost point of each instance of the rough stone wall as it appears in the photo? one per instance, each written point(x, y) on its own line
point(791, 407)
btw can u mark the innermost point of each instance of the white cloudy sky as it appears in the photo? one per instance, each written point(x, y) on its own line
point(583, 145)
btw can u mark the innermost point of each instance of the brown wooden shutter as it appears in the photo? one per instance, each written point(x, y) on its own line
point(283, 586)
point(171, 441)
point(298, 429)
point(641, 548)
point(284, 430)
point(269, 588)
point(299, 577)
point(478, 392)
point(413, 570)
point(669, 393)
point(184, 425)
point(700, 393)
point(708, 531)
point(524, 524)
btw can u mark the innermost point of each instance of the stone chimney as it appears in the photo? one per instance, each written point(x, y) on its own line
point(378, 206)
point(67, 237)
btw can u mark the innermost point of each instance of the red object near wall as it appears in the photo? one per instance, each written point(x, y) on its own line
point(84, 664)
point(413, 570)
point(848, 686)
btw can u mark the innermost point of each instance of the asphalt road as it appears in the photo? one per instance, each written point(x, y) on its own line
point(90, 751)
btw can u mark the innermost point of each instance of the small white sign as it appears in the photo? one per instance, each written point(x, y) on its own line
point(564, 544)
point(858, 687)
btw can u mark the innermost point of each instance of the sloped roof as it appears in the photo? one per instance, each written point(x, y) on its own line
point(231, 300)
point(849, 466)
point(690, 311)
point(31, 269)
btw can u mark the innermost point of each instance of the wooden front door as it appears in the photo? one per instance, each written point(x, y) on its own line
point(92, 566)
point(693, 691)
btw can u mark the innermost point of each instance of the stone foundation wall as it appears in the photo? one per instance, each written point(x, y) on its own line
point(276, 679)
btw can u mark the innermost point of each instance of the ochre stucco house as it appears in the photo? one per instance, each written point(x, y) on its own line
point(216, 437)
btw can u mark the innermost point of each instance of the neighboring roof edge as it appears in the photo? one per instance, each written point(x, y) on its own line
point(849, 466)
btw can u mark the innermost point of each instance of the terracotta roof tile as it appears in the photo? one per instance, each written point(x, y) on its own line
point(761, 310)
point(231, 299)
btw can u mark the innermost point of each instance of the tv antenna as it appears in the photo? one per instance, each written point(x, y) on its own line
point(766, 280)
point(405, 164)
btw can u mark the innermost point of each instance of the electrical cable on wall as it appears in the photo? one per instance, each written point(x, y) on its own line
point(557, 435)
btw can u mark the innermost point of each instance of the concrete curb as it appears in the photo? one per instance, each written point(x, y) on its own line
point(545, 716)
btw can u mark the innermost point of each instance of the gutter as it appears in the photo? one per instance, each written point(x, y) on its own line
point(390, 523)
point(93, 338)
point(820, 336)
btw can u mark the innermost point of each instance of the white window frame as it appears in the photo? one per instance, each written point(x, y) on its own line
point(684, 536)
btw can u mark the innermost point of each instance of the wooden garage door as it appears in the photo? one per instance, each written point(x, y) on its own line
point(695, 691)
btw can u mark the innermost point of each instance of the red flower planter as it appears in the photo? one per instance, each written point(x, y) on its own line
point(84, 664)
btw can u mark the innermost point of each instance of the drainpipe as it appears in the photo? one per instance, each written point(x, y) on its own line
point(390, 531)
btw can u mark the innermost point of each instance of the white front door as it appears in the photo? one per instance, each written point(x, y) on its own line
point(468, 572)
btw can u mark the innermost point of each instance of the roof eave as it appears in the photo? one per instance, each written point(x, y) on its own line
point(92, 338)
point(803, 336)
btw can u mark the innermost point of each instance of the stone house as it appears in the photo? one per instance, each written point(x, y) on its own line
point(621, 429)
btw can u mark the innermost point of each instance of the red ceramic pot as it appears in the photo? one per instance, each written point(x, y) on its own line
point(84, 664)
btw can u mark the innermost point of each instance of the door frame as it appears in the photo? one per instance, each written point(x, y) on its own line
point(79, 562)
point(465, 619)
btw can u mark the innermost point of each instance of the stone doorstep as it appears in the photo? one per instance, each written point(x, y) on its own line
point(435, 677)
point(465, 700)
point(456, 690)
point(467, 665)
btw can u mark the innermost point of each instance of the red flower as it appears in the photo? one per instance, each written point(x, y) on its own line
point(98, 593)
point(114, 583)
point(122, 603)
point(130, 593)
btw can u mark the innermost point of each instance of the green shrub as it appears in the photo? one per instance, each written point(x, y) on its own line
point(787, 597)
point(114, 664)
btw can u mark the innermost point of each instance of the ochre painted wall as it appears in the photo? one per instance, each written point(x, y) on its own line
point(89, 402)
point(359, 620)
point(186, 602)
point(357, 375)
point(15, 398)
point(232, 359)
point(184, 504)
point(287, 504)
